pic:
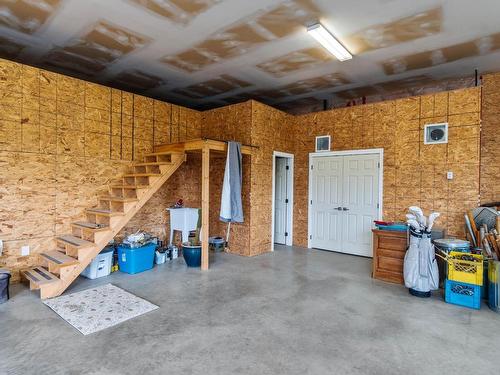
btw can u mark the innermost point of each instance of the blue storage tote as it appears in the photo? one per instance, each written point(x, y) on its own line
point(135, 260)
point(395, 227)
point(462, 294)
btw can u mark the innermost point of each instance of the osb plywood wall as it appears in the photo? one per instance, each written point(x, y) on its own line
point(267, 129)
point(272, 130)
point(414, 173)
point(61, 141)
point(490, 139)
point(229, 123)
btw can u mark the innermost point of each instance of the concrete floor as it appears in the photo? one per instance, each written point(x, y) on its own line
point(289, 312)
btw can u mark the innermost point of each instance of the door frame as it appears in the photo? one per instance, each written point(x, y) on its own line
point(313, 155)
point(290, 157)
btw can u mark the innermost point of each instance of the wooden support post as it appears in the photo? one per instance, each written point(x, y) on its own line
point(205, 205)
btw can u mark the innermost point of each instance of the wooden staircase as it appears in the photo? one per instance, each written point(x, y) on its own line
point(60, 267)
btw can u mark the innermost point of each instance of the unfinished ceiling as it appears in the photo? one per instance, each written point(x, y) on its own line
point(209, 53)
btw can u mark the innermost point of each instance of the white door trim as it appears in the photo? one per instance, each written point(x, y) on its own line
point(290, 157)
point(312, 155)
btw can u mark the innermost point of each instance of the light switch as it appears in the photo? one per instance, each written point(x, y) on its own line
point(449, 175)
point(1, 247)
point(25, 251)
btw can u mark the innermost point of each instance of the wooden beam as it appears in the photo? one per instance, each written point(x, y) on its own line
point(205, 205)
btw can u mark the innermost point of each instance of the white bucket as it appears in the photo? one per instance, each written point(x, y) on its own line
point(160, 257)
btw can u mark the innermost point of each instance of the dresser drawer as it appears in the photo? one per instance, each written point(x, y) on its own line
point(398, 254)
point(390, 264)
point(392, 243)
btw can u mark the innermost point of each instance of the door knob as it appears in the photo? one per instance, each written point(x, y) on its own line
point(338, 208)
point(345, 209)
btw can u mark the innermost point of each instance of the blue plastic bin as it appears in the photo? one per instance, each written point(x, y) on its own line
point(135, 260)
point(395, 227)
point(462, 294)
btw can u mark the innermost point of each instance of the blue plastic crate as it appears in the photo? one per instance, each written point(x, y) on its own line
point(135, 260)
point(462, 294)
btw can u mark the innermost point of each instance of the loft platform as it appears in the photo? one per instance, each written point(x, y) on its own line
point(198, 145)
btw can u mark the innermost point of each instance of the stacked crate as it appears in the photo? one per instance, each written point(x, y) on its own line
point(465, 279)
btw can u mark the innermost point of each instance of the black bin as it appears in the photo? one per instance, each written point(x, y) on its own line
point(4, 285)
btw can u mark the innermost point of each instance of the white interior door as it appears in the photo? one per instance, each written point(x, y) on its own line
point(344, 202)
point(326, 203)
point(280, 201)
point(360, 203)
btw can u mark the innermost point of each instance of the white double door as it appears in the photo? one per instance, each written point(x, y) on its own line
point(344, 202)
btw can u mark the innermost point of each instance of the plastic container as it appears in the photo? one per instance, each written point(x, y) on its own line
point(4, 285)
point(452, 244)
point(485, 288)
point(192, 255)
point(464, 271)
point(101, 265)
point(494, 285)
point(135, 260)
point(217, 244)
point(160, 257)
point(396, 227)
point(462, 294)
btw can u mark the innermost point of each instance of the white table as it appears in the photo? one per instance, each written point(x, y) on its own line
point(183, 219)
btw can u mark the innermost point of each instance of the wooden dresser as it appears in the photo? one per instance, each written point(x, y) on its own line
point(389, 250)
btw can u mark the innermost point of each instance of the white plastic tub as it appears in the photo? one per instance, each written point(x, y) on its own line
point(101, 265)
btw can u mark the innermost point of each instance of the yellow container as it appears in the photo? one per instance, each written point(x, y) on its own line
point(465, 271)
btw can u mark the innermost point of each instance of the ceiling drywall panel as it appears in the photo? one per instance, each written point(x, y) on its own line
point(205, 53)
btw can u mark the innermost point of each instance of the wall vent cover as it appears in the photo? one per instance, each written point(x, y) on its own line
point(323, 143)
point(436, 133)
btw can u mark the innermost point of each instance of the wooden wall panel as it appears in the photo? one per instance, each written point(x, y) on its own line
point(272, 130)
point(61, 141)
point(414, 173)
point(490, 139)
point(233, 122)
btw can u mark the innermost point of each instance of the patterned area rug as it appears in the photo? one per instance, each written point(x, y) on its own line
point(95, 309)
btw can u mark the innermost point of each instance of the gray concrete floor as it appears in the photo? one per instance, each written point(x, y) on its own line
point(289, 312)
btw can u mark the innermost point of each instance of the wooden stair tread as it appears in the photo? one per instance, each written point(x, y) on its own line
point(103, 212)
point(74, 241)
point(117, 199)
point(178, 152)
point(58, 258)
point(39, 276)
point(129, 186)
point(90, 226)
point(142, 175)
point(153, 163)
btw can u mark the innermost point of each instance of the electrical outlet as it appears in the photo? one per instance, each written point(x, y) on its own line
point(25, 251)
point(449, 175)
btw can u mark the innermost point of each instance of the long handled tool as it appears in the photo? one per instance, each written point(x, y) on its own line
point(226, 247)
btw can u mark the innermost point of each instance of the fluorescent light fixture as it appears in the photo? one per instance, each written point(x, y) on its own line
point(328, 41)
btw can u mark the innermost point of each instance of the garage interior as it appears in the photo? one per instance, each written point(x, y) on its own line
point(115, 114)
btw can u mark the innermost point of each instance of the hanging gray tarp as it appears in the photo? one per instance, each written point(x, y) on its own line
point(231, 207)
